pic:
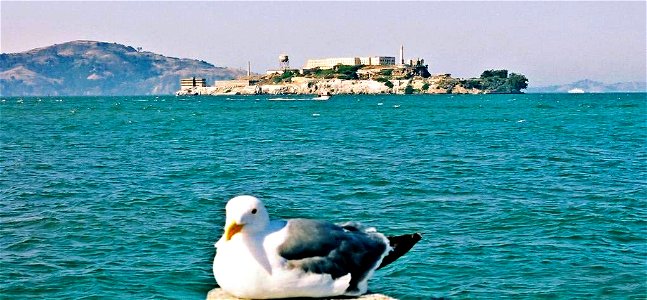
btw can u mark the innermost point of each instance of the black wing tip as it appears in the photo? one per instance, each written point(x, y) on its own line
point(400, 245)
point(405, 239)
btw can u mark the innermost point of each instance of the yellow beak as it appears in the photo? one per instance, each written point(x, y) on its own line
point(232, 229)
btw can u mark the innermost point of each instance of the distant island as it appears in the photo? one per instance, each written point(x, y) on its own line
point(91, 68)
point(590, 86)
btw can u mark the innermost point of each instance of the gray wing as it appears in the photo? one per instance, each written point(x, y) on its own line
point(325, 248)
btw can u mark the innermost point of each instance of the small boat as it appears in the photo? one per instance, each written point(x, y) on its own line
point(322, 96)
point(576, 91)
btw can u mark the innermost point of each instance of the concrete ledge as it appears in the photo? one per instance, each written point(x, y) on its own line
point(218, 294)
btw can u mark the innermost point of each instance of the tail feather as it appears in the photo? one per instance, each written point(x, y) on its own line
point(401, 244)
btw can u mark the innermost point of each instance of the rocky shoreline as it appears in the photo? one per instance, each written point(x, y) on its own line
point(311, 86)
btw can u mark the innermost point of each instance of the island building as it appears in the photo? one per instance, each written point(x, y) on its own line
point(192, 82)
point(329, 63)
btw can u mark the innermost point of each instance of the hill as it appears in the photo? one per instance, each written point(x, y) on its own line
point(99, 68)
point(590, 86)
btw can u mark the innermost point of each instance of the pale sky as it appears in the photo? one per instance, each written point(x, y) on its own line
point(549, 42)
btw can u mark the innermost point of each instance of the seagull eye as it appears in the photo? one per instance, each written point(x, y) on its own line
point(254, 211)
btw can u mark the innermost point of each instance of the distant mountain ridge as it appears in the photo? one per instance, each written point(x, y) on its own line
point(99, 68)
point(590, 86)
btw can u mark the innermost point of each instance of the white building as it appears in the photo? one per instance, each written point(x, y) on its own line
point(377, 60)
point(329, 63)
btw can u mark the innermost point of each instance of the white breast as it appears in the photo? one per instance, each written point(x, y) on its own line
point(236, 268)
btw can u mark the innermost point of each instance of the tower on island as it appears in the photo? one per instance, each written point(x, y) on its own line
point(402, 54)
point(284, 62)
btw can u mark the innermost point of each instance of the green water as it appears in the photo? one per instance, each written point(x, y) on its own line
point(518, 196)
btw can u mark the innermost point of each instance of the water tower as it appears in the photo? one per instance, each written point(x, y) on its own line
point(284, 62)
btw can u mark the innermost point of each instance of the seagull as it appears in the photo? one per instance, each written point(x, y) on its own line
point(259, 258)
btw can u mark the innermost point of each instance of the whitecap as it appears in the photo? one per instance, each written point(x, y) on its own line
point(286, 99)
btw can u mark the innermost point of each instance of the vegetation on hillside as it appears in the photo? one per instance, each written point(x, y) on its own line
point(344, 72)
point(285, 77)
point(386, 81)
point(99, 68)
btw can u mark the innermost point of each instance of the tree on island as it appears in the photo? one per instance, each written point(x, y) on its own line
point(497, 82)
point(517, 82)
point(408, 90)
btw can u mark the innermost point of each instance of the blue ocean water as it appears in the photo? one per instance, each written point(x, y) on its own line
point(518, 196)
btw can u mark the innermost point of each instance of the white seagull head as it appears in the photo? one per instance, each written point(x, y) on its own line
point(246, 215)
